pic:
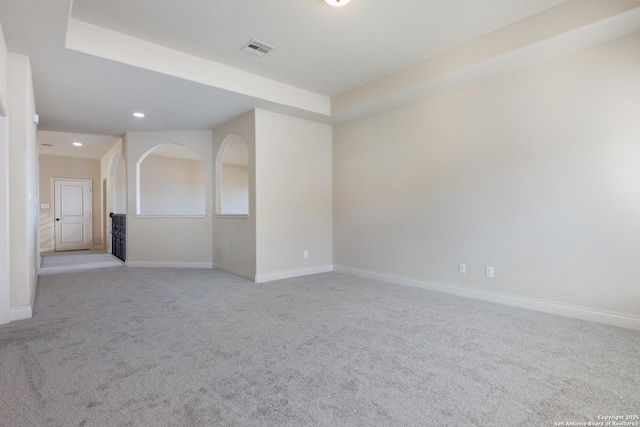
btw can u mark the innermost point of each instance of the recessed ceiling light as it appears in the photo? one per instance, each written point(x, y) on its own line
point(337, 2)
point(78, 144)
point(139, 115)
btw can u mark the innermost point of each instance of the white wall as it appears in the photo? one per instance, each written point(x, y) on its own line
point(3, 73)
point(168, 241)
point(4, 187)
point(113, 171)
point(113, 167)
point(534, 173)
point(23, 188)
point(4, 221)
point(120, 187)
point(293, 195)
point(171, 186)
point(234, 237)
point(234, 197)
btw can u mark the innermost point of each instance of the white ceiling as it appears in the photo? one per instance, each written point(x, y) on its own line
point(319, 48)
point(353, 57)
point(93, 146)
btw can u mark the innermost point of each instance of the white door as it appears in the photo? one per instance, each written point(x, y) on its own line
point(72, 198)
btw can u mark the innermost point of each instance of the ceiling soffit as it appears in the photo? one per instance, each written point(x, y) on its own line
point(562, 29)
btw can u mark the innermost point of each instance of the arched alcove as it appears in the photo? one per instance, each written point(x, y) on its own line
point(232, 177)
point(170, 182)
point(118, 190)
point(115, 194)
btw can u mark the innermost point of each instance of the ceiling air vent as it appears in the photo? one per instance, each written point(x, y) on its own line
point(257, 47)
point(46, 145)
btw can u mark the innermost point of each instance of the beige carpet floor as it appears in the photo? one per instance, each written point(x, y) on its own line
point(173, 347)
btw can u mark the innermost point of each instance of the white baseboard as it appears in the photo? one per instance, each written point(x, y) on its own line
point(576, 312)
point(20, 313)
point(287, 274)
point(162, 264)
point(236, 272)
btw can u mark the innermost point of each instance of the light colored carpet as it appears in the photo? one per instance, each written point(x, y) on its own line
point(77, 260)
point(162, 347)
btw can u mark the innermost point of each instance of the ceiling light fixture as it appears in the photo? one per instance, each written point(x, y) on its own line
point(336, 3)
point(78, 144)
point(138, 115)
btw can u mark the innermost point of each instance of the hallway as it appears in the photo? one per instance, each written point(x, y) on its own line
point(60, 262)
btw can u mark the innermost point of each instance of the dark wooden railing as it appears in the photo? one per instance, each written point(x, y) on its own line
point(119, 235)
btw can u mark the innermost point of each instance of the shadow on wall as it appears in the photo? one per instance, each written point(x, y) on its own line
point(47, 238)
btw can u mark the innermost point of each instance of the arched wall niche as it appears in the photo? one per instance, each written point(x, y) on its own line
point(170, 181)
point(118, 190)
point(232, 177)
point(116, 194)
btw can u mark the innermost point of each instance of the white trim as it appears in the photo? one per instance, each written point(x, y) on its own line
point(576, 312)
point(21, 313)
point(97, 248)
point(240, 273)
point(287, 274)
point(167, 264)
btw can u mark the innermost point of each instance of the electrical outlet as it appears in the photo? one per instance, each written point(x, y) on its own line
point(462, 268)
point(305, 254)
point(489, 271)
